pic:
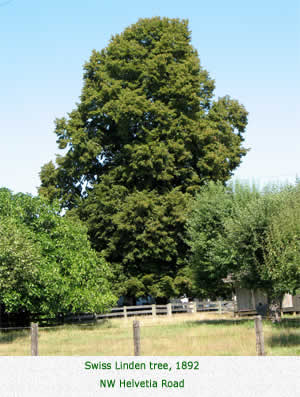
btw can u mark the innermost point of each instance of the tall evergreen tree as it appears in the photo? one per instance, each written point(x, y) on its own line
point(143, 138)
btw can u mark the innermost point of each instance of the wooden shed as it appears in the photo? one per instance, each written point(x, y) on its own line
point(291, 303)
point(251, 300)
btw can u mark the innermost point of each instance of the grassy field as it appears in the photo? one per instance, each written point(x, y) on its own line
point(198, 334)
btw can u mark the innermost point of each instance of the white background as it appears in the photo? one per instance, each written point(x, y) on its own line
point(217, 376)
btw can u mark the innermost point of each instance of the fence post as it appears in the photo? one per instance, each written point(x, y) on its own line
point(169, 309)
point(260, 345)
point(125, 311)
point(34, 339)
point(136, 338)
point(220, 307)
point(195, 307)
point(153, 310)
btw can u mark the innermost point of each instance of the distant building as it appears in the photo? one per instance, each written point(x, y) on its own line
point(291, 303)
point(251, 299)
point(256, 300)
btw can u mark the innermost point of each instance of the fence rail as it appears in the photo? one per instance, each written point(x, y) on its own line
point(169, 309)
point(133, 311)
point(153, 310)
point(218, 307)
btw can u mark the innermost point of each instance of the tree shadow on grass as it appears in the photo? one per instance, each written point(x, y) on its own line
point(100, 324)
point(222, 322)
point(284, 340)
point(285, 323)
point(288, 323)
point(9, 336)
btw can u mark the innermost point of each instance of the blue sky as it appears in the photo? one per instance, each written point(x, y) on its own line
point(250, 48)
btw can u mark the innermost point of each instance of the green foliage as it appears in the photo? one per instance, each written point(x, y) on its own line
point(282, 251)
point(205, 230)
point(252, 235)
point(143, 138)
point(132, 287)
point(46, 262)
point(159, 288)
point(246, 233)
point(184, 282)
point(143, 230)
point(19, 261)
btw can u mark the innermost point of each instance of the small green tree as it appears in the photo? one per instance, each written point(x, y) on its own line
point(46, 262)
point(249, 234)
point(205, 230)
point(19, 261)
point(282, 250)
point(245, 234)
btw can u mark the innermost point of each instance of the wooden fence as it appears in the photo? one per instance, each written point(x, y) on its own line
point(156, 310)
point(169, 309)
point(150, 310)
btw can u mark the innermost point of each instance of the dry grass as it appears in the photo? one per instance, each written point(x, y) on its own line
point(198, 334)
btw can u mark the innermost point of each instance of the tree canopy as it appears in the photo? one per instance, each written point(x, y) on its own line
point(143, 138)
point(46, 262)
point(282, 252)
point(205, 228)
point(250, 234)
